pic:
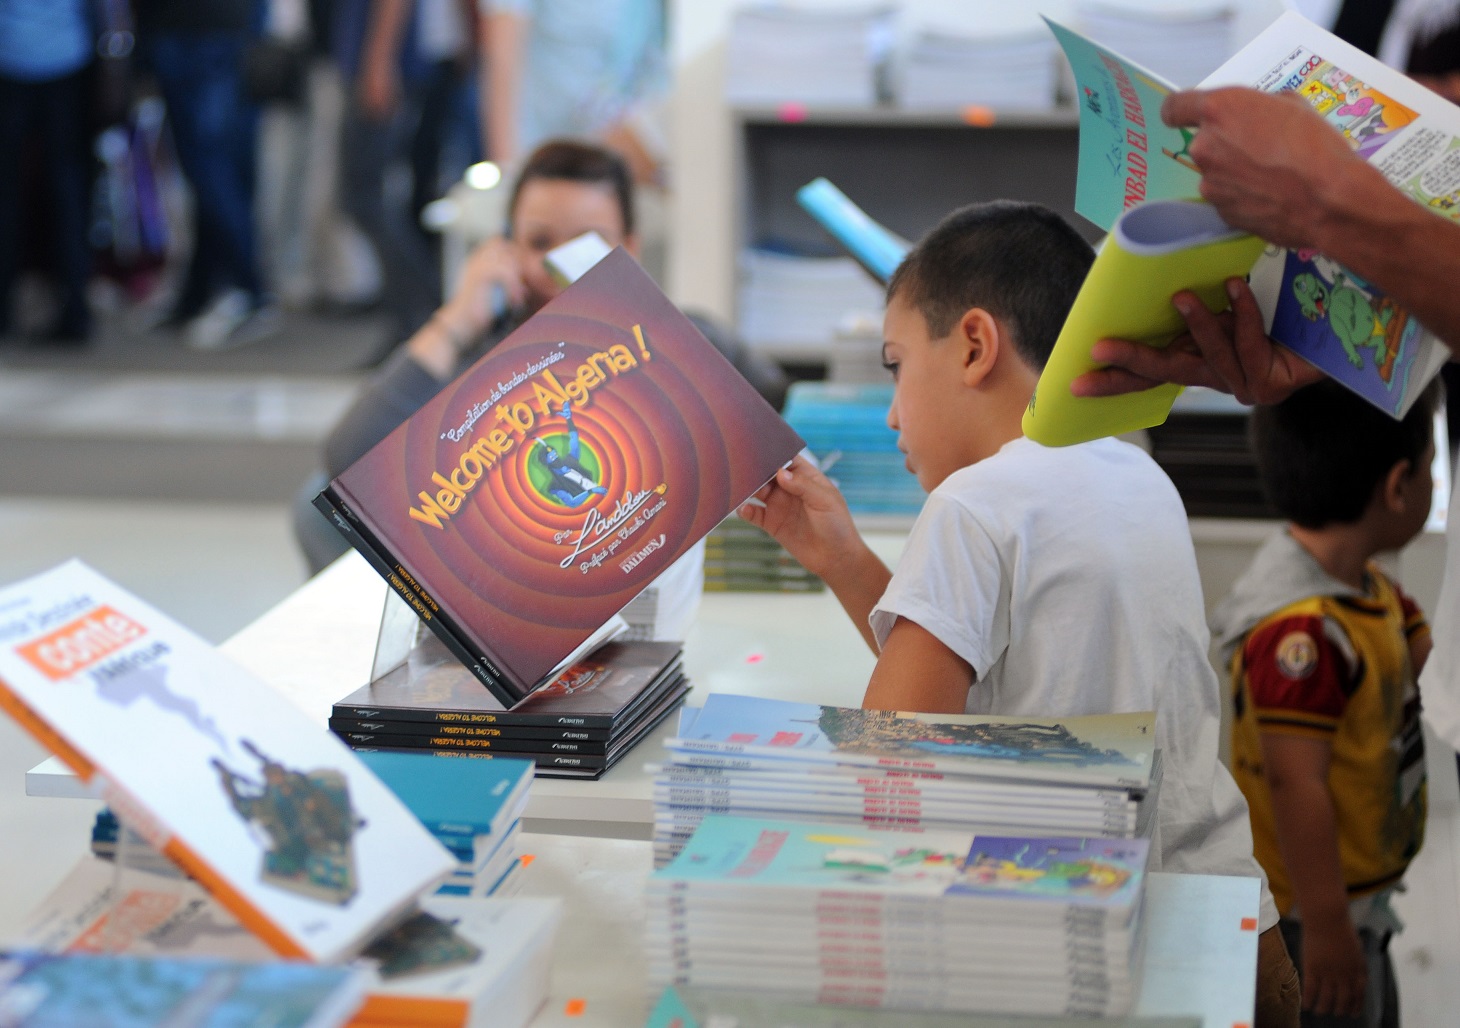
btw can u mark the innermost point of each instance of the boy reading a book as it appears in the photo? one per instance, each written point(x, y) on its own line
point(1035, 580)
point(1325, 652)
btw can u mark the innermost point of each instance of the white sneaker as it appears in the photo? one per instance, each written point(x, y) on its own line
point(233, 319)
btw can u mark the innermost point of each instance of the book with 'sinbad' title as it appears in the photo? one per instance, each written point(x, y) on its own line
point(544, 488)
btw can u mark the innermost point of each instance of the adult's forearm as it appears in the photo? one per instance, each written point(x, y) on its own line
point(1385, 237)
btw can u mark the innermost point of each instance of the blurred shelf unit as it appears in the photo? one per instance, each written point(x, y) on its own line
point(905, 168)
point(1203, 448)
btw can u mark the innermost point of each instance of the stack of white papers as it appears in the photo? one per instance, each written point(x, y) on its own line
point(832, 56)
point(790, 301)
point(1182, 45)
point(664, 611)
point(936, 920)
point(947, 71)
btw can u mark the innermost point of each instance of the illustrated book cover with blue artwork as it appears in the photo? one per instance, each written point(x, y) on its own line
point(532, 498)
point(1105, 873)
point(1096, 750)
point(223, 775)
point(1324, 312)
point(44, 990)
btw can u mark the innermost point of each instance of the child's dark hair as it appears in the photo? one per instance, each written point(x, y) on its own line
point(575, 161)
point(1021, 262)
point(1323, 451)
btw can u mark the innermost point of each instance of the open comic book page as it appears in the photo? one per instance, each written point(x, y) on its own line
point(1325, 312)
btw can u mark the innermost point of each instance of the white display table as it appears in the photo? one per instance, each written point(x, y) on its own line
point(316, 646)
point(1199, 959)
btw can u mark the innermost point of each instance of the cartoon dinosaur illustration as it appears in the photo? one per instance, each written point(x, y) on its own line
point(1354, 319)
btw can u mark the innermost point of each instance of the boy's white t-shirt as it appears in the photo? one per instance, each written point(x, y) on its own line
point(1066, 577)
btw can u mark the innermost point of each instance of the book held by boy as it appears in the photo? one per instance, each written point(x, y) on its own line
point(1345, 326)
point(281, 822)
point(536, 495)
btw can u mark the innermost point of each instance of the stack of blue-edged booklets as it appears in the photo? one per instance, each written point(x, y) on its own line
point(846, 427)
point(914, 920)
point(1095, 775)
point(472, 807)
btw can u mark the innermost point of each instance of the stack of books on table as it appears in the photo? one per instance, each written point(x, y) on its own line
point(1095, 775)
point(795, 301)
point(741, 558)
point(1181, 44)
point(934, 920)
point(949, 71)
point(851, 421)
point(291, 847)
point(472, 807)
point(578, 726)
point(777, 53)
point(667, 606)
point(451, 962)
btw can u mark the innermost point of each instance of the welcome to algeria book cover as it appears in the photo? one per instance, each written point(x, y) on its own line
point(539, 492)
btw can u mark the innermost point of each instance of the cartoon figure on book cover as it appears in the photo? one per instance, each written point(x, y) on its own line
point(873, 863)
point(567, 478)
point(881, 731)
point(1344, 325)
point(309, 823)
point(1061, 867)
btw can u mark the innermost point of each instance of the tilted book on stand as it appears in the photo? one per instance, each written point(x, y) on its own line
point(280, 821)
point(543, 489)
point(1345, 326)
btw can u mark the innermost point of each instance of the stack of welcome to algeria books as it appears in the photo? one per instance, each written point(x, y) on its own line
point(1095, 775)
point(297, 846)
point(933, 920)
point(578, 726)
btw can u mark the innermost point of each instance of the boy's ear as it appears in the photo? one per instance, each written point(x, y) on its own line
point(1392, 489)
point(981, 341)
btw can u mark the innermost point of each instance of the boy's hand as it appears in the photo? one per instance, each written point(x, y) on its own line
point(1335, 973)
point(806, 513)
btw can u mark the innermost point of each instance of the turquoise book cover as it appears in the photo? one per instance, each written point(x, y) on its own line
point(459, 797)
point(1127, 153)
point(1066, 870)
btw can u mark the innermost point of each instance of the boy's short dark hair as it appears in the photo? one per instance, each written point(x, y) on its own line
point(1323, 451)
point(1021, 262)
point(576, 161)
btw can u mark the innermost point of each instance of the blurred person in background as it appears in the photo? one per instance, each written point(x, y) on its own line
point(402, 60)
point(589, 68)
point(195, 49)
point(46, 50)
